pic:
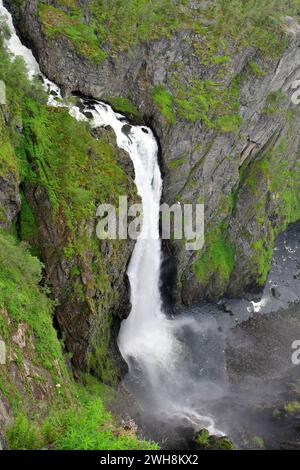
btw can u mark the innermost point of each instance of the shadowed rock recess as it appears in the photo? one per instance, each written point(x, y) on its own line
point(220, 87)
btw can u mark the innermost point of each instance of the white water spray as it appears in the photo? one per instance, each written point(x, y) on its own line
point(147, 338)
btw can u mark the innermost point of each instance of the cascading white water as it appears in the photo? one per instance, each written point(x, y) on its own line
point(147, 338)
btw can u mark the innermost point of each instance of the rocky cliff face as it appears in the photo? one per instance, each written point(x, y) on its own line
point(50, 164)
point(227, 123)
point(10, 201)
point(87, 277)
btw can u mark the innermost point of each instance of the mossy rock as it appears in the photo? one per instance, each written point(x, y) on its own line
point(205, 441)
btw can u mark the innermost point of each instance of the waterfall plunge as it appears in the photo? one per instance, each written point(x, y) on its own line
point(147, 338)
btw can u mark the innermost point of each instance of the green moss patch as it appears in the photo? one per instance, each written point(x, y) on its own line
point(71, 26)
point(217, 259)
point(177, 162)
point(207, 442)
point(292, 408)
point(124, 106)
point(163, 100)
point(272, 179)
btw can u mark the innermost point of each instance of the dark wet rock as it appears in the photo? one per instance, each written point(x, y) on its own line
point(275, 292)
point(10, 201)
point(88, 114)
point(126, 130)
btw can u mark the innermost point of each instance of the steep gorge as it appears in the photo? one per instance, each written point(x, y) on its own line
point(50, 162)
point(227, 121)
point(226, 117)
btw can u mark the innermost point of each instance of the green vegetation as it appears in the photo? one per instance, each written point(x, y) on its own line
point(8, 161)
point(274, 102)
point(258, 442)
point(124, 23)
point(119, 24)
point(177, 162)
point(276, 174)
point(28, 226)
point(207, 442)
point(262, 258)
point(72, 27)
point(46, 148)
point(292, 408)
point(24, 300)
point(23, 435)
point(217, 259)
point(210, 102)
point(253, 23)
point(124, 106)
point(84, 425)
point(103, 29)
point(78, 172)
point(203, 437)
point(67, 160)
point(255, 69)
point(162, 98)
point(113, 26)
point(234, 24)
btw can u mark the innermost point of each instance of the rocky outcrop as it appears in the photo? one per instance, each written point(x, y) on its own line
point(54, 172)
point(91, 286)
point(10, 201)
point(234, 169)
point(204, 441)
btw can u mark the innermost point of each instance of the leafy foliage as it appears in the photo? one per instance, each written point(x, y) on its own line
point(209, 101)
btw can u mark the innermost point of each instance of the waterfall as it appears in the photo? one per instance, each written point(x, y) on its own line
point(148, 339)
point(140, 338)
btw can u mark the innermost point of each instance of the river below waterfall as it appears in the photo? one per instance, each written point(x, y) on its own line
point(224, 367)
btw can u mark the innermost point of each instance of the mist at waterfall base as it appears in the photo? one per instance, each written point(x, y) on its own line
point(227, 367)
point(179, 375)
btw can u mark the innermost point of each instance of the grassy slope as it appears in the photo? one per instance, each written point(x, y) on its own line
point(76, 417)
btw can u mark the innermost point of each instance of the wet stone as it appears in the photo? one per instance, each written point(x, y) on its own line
point(2, 353)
